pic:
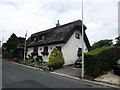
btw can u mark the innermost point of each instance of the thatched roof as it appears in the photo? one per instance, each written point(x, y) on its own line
point(56, 35)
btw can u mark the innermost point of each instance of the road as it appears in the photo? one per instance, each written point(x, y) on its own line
point(16, 76)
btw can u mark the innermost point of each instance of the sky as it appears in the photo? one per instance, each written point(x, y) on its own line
point(19, 16)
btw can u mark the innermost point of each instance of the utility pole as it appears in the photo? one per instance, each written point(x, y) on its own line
point(25, 46)
point(2, 42)
point(82, 74)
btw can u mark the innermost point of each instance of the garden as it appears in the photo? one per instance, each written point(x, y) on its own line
point(55, 61)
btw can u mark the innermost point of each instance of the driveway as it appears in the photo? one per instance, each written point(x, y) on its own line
point(69, 70)
point(110, 77)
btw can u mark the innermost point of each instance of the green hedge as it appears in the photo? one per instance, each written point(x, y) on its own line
point(100, 60)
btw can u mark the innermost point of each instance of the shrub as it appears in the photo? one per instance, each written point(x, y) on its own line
point(100, 60)
point(56, 59)
point(30, 56)
point(39, 59)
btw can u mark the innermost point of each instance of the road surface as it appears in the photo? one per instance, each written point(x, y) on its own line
point(16, 76)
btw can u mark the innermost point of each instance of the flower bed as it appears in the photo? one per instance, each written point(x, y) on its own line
point(45, 53)
point(34, 53)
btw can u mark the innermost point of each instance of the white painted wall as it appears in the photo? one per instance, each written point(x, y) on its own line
point(29, 51)
point(71, 47)
point(50, 47)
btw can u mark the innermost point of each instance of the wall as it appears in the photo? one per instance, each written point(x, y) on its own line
point(50, 47)
point(29, 51)
point(71, 47)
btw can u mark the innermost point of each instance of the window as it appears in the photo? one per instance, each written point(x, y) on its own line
point(40, 48)
point(35, 49)
point(45, 49)
point(41, 37)
point(77, 35)
point(79, 53)
point(59, 48)
point(33, 39)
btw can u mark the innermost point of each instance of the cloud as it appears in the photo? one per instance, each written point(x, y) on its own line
point(36, 15)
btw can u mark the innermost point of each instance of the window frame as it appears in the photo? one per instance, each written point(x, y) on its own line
point(77, 35)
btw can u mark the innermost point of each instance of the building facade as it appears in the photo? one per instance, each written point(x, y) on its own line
point(67, 38)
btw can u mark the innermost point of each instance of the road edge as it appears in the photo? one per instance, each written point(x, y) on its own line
point(72, 77)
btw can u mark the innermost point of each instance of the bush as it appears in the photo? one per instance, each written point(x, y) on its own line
point(100, 60)
point(56, 59)
point(39, 59)
point(30, 56)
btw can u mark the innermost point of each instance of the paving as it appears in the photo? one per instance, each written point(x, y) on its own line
point(109, 78)
point(70, 70)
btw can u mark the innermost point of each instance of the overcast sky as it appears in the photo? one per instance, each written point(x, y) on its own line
point(17, 16)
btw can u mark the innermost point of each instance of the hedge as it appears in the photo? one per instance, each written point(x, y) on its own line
point(100, 60)
point(56, 59)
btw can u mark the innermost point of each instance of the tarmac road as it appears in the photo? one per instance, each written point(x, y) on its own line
point(16, 76)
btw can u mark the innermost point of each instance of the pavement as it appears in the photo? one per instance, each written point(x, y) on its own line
point(109, 78)
point(69, 70)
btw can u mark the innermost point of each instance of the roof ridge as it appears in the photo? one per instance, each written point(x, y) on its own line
point(73, 22)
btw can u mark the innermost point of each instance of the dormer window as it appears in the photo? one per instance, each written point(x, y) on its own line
point(33, 39)
point(77, 35)
point(41, 37)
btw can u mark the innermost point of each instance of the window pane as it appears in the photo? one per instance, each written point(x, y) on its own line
point(77, 35)
point(35, 49)
point(45, 49)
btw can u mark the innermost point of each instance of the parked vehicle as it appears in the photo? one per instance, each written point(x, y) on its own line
point(78, 62)
point(116, 67)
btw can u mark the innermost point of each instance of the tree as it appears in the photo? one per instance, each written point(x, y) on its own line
point(102, 43)
point(56, 59)
point(12, 42)
point(9, 47)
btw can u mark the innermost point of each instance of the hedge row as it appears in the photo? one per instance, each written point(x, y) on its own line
point(100, 60)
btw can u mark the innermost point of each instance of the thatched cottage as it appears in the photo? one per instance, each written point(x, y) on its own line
point(67, 38)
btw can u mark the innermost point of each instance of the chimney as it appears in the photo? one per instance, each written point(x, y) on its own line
point(58, 24)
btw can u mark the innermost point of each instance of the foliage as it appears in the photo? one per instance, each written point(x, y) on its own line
point(100, 60)
point(43, 65)
point(12, 42)
point(30, 57)
point(102, 43)
point(117, 41)
point(39, 59)
point(0, 50)
point(9, 48)
point(56, 59)
point(31, 62)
